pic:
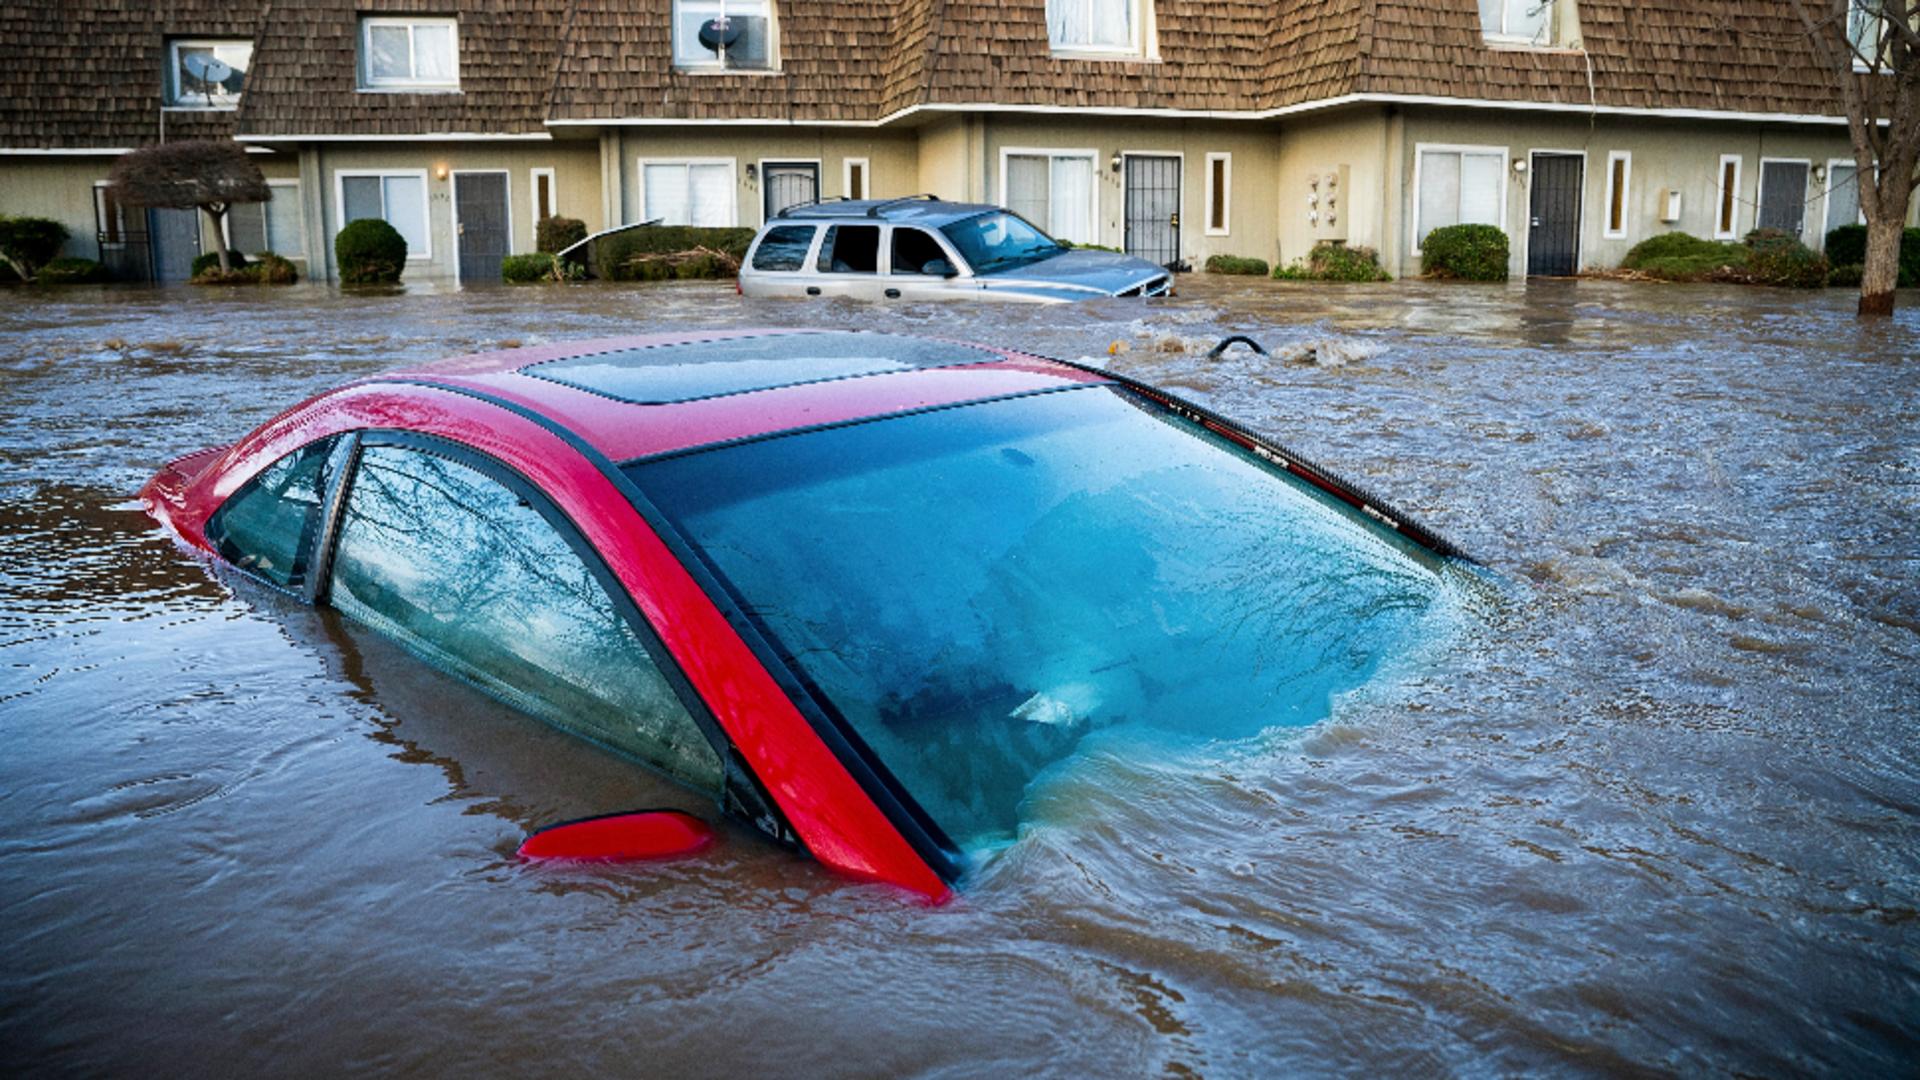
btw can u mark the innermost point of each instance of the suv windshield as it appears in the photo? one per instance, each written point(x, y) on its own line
point(997, 240)
point(978, 594)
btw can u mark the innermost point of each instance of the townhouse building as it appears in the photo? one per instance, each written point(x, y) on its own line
point(1174, 129)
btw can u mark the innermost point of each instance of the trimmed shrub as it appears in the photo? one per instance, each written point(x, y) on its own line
point(1847, 277)
point(663, 252)
point(370, 252)
point(210, 260)
point(271, 269)
point(71, 271)
point(1778, 258)
point(541, 266)
point(1465, 252)
point(559, 233)
point(1847, 245)
point(1678, 256)
point(1333, 260)
point(28, 243)
point(1234, 264)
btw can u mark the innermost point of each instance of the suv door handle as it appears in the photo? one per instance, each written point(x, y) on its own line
point(893, 294)
point(813, 290)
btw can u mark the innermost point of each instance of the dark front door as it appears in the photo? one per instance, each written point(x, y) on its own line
point(789, 183)
point(1783, 196)
point(1553, 236)
point(176, 243)
point(1153, 208)
point(480, 211)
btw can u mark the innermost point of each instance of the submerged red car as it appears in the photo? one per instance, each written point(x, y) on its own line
point(868, 592)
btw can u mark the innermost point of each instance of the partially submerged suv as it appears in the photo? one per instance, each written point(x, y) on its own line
point(923, 248)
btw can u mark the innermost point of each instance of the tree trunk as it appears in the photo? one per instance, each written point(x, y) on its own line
point(220, 237)
point(1882, 271)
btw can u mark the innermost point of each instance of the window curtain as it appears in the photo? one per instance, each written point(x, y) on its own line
point(284, 234)
point(710, 195)
point(1458, 189)
point(407, 210)
point(1071, 211)
point(1027, 184)
point(360, 196)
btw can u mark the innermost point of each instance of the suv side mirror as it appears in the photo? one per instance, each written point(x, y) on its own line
point(940, 267)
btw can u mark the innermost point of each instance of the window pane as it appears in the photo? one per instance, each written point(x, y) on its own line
point(666, 193)
point(407, 210)
point(856, 181)
point(268, 525)
point(210, 74)
point(710, 195)
point(360, 197)
point(913, 249)
point(687, 20)
point(1072, 200)
point(783, 248)
point(1480, 189)
point(1112, 23)
point(247, 227)
point(542, 196)
point(1217, 208)
point(1490, 16)
point(433, 54)
point(1067, 22)
point(388, 56)
point(1027, 188)
point(462, 571)
point(284, 233)
point(1843, 196)
point(1528, 18)
point(851, 249)
point(1617, 196)
point(1439, 192)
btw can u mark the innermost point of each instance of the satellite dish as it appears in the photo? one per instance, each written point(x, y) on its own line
point(715, 33)
point(206, 68)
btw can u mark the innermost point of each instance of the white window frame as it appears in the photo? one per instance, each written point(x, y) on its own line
point(533, 197)
point(1826, 193)
point(98, 187)
point(866, 177)
point(1420, 151)
point(1760, 195)
point(172, 86)
point(1720, 195)
point(1226, 197)
point(371, 84)
point(719, 63)
point(340, 177)
point(1625, 194)
point(1140, 45)
point(1093, 196)
point(266, 220)
point(733, 168)
point(1502, 37)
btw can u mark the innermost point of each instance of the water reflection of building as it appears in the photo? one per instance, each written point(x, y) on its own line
point(1169, 127)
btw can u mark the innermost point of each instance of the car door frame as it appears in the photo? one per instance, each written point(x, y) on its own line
point(914, 287)
point(854, 285)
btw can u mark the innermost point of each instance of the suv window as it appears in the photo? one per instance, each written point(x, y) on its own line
point(850, 249)
point(268, 525)
point(913, 249)
point(466, 573)
point(783, 248)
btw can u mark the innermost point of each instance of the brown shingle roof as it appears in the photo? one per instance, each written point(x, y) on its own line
point(78, 74)
point(308, 74)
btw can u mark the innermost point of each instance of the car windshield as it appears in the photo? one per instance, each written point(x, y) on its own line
point(997, 240)
point(982, 594)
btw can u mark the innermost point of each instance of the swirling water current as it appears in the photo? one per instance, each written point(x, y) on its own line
point(1656, 811)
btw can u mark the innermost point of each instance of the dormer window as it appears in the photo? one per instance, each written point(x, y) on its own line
point(409, 53)
point(1523, 22)
point(207, 74)
point(723, 34)
point(1095, 26)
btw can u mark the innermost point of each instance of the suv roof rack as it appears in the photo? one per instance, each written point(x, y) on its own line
point(856, 207)
point(809, 204)
point(874, 210)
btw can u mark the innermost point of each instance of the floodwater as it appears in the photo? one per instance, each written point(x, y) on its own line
point(1656, 811)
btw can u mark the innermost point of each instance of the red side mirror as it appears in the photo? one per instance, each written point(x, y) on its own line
point(622, 837)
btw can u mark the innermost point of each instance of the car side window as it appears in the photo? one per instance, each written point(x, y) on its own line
point(783, 248)
point(464, 572)
point(850, 249)
point(913, 249)
point(268, 525)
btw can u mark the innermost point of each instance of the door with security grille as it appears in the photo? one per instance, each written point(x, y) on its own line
point(1153, 208)
point(1783, 196)
point(480, 209)
point(789, 183)
point(1553, 229)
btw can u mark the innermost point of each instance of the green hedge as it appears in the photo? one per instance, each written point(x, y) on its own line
point(211, 261)
point(1847, 246)
point(71, 271)
point(268, 269)
point(662, 252)
point(1778, 258)
point(1333, 260)
point(540, 266)
point(28, 243)
point(370, 252)
point(1465, 252)
point(559, 233)
point(1678, 256)
point(1234, 264)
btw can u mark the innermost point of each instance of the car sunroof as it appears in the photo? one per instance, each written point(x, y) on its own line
point(662, 374)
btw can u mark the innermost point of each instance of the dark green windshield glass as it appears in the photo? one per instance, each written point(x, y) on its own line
point(979, 592)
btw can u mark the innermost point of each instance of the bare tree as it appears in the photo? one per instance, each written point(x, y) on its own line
point(1871, 49)
point(208, 174)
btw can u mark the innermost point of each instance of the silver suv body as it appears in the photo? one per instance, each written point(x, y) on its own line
point(923, 248)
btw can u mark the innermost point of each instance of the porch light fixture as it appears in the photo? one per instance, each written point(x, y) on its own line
point(1819, 174)
point(753, 173)
point(1114, 162)
point(1519, 164)
point(440, 172)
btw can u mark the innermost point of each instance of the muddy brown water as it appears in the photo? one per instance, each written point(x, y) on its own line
point(1658, 813)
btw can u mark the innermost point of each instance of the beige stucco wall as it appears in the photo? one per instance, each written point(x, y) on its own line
point(1351, 148)
point(1682, 155)
point(575, 165)
point(892, 160)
